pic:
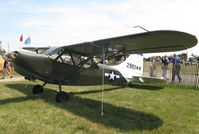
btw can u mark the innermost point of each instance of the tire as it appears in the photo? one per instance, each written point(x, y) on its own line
point(62, 97)
point(37, 89)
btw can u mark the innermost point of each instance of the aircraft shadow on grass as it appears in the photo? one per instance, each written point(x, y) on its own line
point(115, 117)
point(146, 87)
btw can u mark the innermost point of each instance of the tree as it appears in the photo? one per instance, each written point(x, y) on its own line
point(183, 56)
point(2, 51)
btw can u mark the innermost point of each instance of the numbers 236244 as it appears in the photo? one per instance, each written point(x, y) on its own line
point(133, 66)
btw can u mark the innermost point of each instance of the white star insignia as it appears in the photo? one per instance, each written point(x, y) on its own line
point(112, 75)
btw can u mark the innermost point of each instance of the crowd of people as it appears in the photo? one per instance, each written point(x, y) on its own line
point(165, 61)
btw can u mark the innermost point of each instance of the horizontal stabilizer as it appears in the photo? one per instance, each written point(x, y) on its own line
point(148, 79)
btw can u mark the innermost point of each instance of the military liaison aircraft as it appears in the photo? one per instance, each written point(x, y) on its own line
point(83, 63)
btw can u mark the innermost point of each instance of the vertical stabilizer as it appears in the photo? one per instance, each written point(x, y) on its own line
point(132, 66)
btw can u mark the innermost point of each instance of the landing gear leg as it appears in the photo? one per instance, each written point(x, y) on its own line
point(61, 96)
point(38, 89)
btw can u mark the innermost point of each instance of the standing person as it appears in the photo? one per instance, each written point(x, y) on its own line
point(6, 68)
point(152, 68)
point(165, 63)
point(176, 68)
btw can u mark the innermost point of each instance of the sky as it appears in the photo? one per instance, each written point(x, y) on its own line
point(66, 22)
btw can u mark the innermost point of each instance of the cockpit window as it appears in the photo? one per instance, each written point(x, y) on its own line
point(63, 56)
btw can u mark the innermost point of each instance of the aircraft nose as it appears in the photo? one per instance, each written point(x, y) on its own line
point(17, 58)
point(27, 63)
point(14, 54)
point(19, 62)
point(23, 63)
point(25, 60)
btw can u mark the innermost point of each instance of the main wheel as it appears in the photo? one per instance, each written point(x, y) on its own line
point(37, 89)
point(62, 97)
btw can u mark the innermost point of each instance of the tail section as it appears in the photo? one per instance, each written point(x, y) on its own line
point(132, 66)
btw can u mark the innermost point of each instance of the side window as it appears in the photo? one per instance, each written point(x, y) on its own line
point(65, 58)
point(74, 59)
point(83, 61)
point(88, 64)
point(62, 57)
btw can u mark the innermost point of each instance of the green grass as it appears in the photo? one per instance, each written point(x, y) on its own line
point(143, 108)
point(14, 74)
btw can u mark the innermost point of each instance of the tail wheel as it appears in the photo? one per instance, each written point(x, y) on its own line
point(62, 97)
point(37, 89)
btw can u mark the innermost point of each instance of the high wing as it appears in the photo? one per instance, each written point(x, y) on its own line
point(147, 42)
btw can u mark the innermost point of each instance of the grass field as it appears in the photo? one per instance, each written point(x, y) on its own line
point(143, 108)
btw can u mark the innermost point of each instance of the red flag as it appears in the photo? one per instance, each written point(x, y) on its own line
point(21, 38)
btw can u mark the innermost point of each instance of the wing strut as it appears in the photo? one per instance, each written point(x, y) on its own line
point(103, 59)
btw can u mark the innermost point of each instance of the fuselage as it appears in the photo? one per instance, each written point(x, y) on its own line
point(43, 67)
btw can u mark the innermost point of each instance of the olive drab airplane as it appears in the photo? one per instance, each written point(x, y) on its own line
point(88, 63)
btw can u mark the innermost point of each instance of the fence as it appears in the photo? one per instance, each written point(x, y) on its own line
point(189, 73)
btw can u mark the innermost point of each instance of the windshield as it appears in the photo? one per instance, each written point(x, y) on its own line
point(52, 50)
